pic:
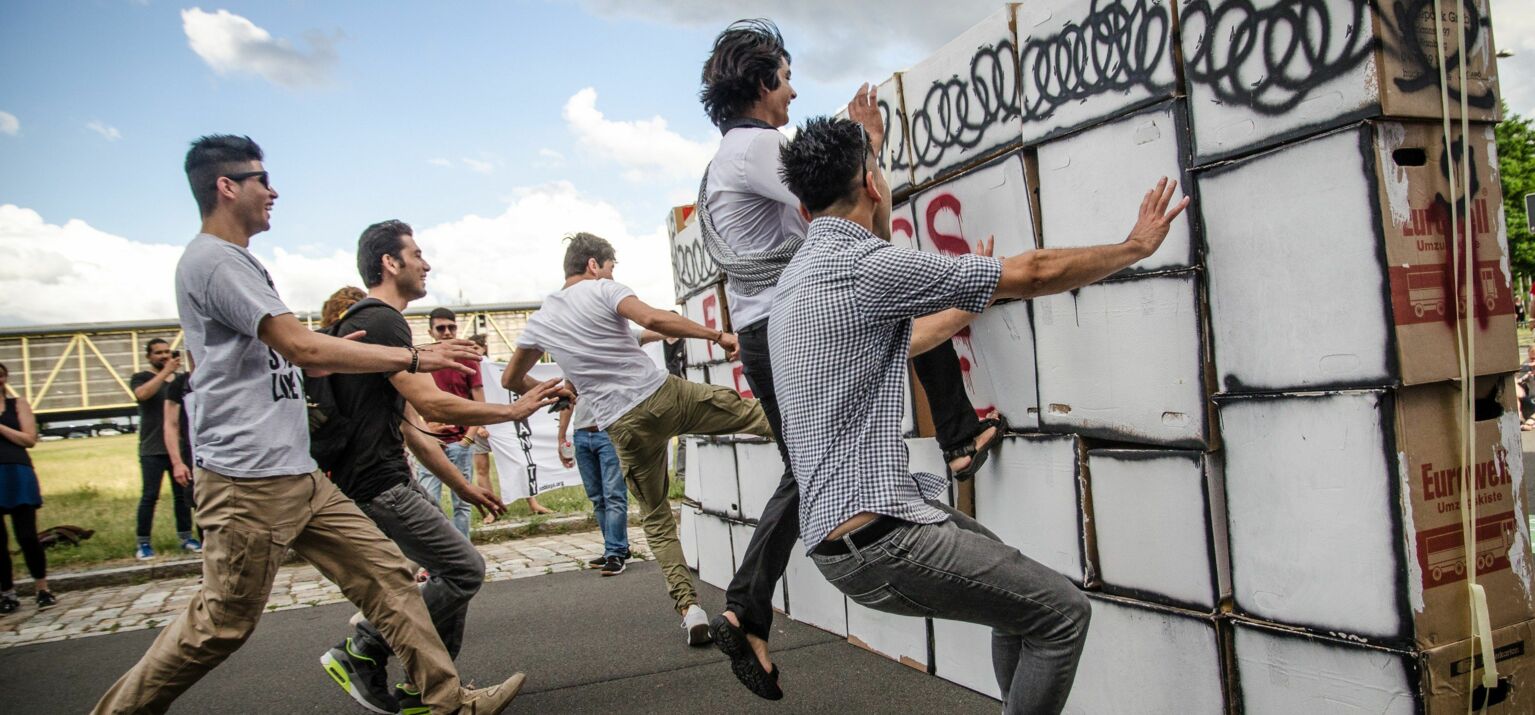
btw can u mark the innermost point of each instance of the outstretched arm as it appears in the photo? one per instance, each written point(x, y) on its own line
point(672, 325)
point(309, 349)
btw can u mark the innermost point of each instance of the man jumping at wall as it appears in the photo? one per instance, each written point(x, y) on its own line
point(585, 326)
point(752, 226)
point(259, 491)
point(372, 471)
point(875, 530)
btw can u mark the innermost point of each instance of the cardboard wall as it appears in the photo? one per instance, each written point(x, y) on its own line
point(707, 308)
point(962, 655)
point(1146, 660)
point(715, 472)
point(760, 470)
point(687, 533)
point(811, 599)
point(1153, 526)
point(1031, 495)
point(716, 560)
point(692, 268)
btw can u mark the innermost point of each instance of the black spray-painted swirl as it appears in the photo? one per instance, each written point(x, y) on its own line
point(692, 267)
point(900, 161)
point(1116, 48)
point(955, 113)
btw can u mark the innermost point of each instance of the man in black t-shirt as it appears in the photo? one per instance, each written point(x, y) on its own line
point(384, 412)
point(154, 461)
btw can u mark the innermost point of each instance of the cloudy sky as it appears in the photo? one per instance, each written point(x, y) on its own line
point(492, 127)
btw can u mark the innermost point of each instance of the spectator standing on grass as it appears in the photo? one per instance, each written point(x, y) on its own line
point(262, 493)
point(20, 498)
point(874, 529)
point(443, 325)
point(478, 438)
point(154, 459)
point(752, 226)
point(586, 327)
point(590, 450)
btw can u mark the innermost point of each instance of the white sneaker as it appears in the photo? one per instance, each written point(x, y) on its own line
point(696, 623)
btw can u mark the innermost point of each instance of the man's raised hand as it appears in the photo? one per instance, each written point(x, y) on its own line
point(864, 109)
point(545, 394)
point(1152, 222)
point(483, 499)
point(449, 354)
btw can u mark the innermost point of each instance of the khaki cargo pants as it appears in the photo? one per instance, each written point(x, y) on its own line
point(248, 526)
point(640, 437)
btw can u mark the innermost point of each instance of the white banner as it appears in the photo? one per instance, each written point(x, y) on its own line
point(511, 459)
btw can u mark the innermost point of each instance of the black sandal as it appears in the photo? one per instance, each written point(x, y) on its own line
point(977, 455)
point(743, 661)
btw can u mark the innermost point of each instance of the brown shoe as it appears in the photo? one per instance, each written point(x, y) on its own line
point(491, 700)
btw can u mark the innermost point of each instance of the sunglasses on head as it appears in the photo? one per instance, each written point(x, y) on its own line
point(261, 175)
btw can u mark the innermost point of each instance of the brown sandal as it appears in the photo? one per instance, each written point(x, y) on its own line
point(977, 455)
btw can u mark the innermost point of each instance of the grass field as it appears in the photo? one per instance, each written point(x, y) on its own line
point(94, 483)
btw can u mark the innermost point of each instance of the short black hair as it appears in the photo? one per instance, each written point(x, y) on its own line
point(213, 156)
point(441, 313)
point(379, 240)
point(583, 246)
point(149, 347)
point(745, 59)
point(825, 160)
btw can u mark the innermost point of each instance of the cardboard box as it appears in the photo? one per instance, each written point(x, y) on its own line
point(1254, 81)
point(706, 307)
point(961, 103)
point(693, 478)
point(1125, 360)
point(716, 559)
point(715, 473)
point(1083, 62)
point(1141, 658)
point(995, 200)
point(741, 536)
point(697, 373)
point(1091, 184)
point(692, 268)
point(1155, 527)
point(1340, 276)
point(1345, 517)
point(811, 599)
point(687, 533)
point(679, 218)
point(759, 470)
point(962, 655)
point(1281, 671)
point(899, 638)
point(730, 375)
point(1032, 493)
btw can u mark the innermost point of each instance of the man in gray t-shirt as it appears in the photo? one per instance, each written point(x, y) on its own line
point(259, 492)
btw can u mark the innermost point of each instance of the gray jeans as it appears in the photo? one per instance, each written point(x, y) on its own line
point(409, 518)
point(959, 570)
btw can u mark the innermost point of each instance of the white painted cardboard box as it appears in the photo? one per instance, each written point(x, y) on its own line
point(1254, 81)
point(693, 479)
point(1085, 61)
point(903, 233)
point(740, 537)
point(811, 599)
point(730, 375)
point(1125, 360)
point(697, 373)
point(759, 470)
point(962, 102)
point(692, 268)
point(705, 307)
point(1155, 527)
point(716, 559)
point(899, 638)
point(1091, 184)
point(718, 492)
point(687, 533)
point(1141, 659)
point(962, 655)
point(1032, 494)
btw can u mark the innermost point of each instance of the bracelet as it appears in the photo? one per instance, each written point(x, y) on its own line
point(415, 360)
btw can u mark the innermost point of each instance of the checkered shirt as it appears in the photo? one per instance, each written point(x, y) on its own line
point(839, 336)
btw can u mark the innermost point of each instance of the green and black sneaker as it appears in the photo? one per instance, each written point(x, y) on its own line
point(409, 699)
point(363, 678)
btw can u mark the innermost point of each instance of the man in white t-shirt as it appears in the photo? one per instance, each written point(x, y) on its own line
point(585, 326)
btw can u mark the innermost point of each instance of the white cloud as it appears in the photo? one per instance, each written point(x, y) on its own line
point(845, 42)
point(9, 124)
point(55, 273)
point(476, 165)
point(1513, 31)
point(439, 161)
point(646, 147)
point(229, 43)
point(106, 131)
point(551, 154)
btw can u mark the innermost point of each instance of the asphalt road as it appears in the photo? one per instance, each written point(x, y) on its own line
point(588, 645)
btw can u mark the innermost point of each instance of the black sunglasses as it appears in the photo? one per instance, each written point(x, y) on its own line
point(237, 178)
point(445, 327)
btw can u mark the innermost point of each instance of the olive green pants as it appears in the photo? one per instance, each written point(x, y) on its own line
point(640, 437)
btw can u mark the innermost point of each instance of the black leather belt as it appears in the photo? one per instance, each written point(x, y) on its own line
point(863, 536)
point(593, 428)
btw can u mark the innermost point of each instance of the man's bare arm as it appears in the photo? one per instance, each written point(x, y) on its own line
point(422, 393)
point(436, 461)
point(672, 325)
point(309, 349)
point(515, 377)
point(929, 331)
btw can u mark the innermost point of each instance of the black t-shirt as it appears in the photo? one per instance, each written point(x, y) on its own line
point(676, 357)
point(151, 417)
point(374, 459)
point(176, 394)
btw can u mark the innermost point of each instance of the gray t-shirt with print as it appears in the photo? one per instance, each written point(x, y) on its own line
point(252, 421)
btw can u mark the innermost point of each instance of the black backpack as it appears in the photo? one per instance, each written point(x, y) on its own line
point(330, 429)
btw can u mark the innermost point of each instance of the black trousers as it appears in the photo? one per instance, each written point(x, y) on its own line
point(24, 523)
point(154, 468)
point(750, 594)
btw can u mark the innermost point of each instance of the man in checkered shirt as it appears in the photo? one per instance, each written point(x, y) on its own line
point(850, 310)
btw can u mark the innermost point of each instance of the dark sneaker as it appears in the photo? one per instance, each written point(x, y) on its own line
point(409, 699)
point(8, 604)
point(613, 567)
point(598, 562)
point(743, 660)
point(45, 599)
point(363, 678)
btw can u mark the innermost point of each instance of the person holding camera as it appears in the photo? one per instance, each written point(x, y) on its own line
point(149, 388)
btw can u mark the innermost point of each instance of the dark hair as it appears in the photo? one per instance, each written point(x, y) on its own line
point(582, 246)
point(338, 303)
point(479, 339)
point(442, 314)
point(149, 347)
point(213, 156)
point(822, 165)
point(745, 59)
point(379, 240)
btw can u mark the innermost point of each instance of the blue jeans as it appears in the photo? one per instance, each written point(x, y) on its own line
point(462, 458)
point(604, 481)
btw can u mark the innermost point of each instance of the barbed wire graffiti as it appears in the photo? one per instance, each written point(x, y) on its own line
point(692, 268)
point(955, 113)
point(1116, 47)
